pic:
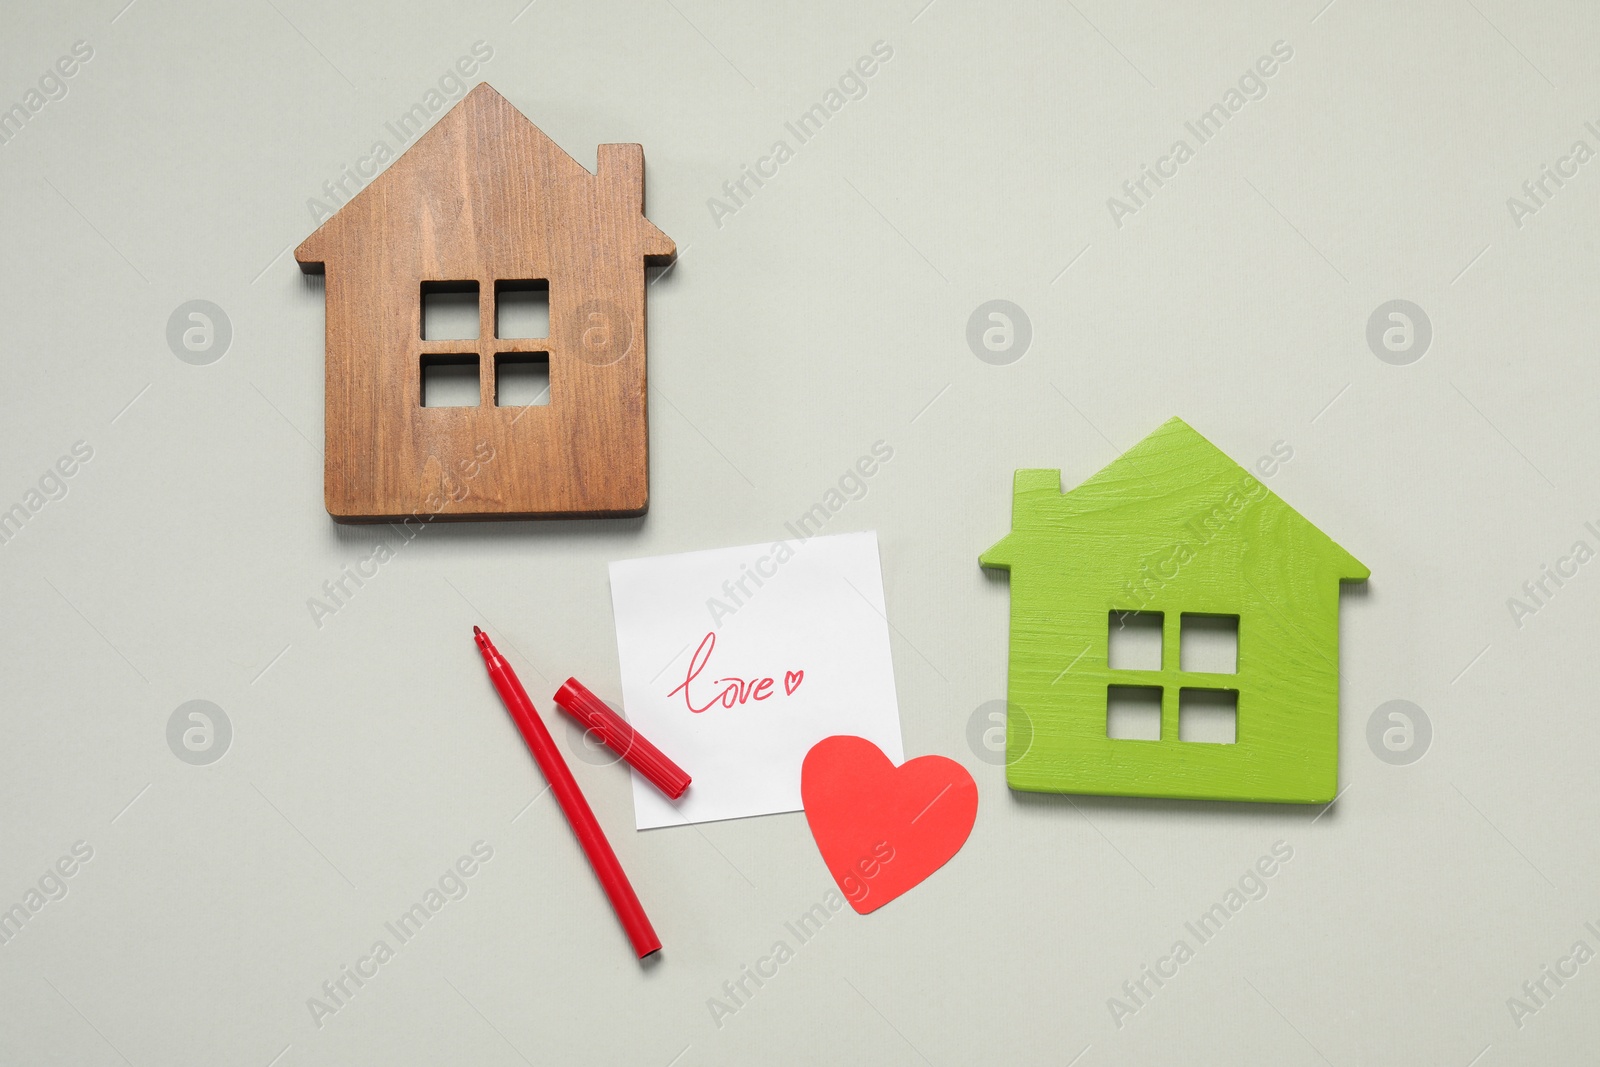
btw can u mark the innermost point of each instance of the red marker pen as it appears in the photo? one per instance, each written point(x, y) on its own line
point(573, 805)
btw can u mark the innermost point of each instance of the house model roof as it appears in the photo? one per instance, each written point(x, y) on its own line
point(1171, 478)
point(514, 162)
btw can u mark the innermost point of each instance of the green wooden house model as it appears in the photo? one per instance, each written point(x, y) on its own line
point(1176, 537)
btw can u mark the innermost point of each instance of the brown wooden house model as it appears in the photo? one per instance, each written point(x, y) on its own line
point(486, 211)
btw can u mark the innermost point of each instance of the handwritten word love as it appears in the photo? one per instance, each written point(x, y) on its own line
point(735, 691)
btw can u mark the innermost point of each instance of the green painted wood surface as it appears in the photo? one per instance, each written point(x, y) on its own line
point(1172, 526)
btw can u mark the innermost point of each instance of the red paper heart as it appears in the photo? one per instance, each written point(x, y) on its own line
point(882, 829)
point(791, 681)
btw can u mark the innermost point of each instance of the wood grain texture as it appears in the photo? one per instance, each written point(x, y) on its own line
point(485, 196)
point(1173, 526)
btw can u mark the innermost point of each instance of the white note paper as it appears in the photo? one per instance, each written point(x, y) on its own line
point(735, 661)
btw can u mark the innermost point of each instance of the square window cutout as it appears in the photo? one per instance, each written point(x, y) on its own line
point(1210, 716)
point(1209, 643)
point(1133, 712)
point(522, 309)
point(450, 381)
point(449, 311)
point(522, 379)
point(1134, 641)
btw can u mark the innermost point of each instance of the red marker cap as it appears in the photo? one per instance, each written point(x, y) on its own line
point(576, 700)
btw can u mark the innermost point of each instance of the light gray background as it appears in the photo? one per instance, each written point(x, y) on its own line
point(829, 312)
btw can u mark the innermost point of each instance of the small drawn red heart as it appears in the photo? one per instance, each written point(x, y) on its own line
point(883, 829)
point(791, 681)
